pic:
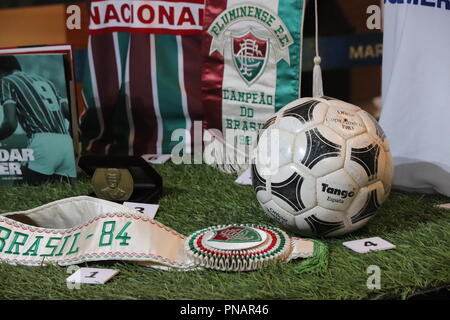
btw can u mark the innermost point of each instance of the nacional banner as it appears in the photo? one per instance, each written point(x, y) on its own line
point(142, 76)
point(252, 62)
point(166, 17)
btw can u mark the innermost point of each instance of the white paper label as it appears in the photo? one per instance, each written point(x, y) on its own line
point(444, 206)
point(245, 178)
point(148, 209)
point(92, 275)
point(369, 244)
point(156, 159)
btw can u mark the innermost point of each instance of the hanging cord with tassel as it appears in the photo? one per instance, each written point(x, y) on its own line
point(317, 71)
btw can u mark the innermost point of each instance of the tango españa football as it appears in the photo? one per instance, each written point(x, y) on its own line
point(322, 167)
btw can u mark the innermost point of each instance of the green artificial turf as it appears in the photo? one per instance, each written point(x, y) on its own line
point(198, 196)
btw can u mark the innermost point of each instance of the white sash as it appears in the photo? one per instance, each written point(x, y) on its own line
point(83, 229)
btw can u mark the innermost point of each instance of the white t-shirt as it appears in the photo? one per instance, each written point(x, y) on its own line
point(416, 93)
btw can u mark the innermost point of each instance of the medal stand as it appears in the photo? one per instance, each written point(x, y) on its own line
point(146, 182)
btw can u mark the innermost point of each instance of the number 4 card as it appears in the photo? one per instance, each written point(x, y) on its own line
point(369, 244)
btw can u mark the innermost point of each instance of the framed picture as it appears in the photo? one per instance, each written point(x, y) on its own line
point(38, 115)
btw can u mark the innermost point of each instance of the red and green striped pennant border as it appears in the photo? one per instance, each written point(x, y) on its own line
point(278, 246)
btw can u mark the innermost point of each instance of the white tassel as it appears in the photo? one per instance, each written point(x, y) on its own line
point(317, 71)
point(317, 78)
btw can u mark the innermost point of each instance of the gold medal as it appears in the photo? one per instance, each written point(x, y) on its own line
point(113, 184)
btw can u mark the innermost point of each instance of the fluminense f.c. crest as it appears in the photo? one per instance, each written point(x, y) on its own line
point(236, 234)
point(253, 32)
point(250, 54)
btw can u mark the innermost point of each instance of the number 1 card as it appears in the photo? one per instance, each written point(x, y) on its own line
point(92, 275)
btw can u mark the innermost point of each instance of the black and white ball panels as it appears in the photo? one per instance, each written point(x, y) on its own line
point(322, 167)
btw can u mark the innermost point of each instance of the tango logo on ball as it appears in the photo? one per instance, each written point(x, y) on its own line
point(338, 192)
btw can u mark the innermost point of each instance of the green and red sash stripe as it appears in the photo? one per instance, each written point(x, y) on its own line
point(159, 90)
point(192, 77)
point(141, 95)
point(213, 67)
point(107, 81)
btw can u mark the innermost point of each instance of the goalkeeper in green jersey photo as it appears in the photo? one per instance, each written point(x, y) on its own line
point(32, 103)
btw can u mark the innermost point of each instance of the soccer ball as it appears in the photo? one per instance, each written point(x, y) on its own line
point(322, 167)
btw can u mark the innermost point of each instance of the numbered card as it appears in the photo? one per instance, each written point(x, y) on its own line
point(245, 178)
point(369, 244)
point(148, 209)
point(92, 275)
point(157, 159)
point(444, 206)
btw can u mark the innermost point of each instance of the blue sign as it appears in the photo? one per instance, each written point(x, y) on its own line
point(344, 52)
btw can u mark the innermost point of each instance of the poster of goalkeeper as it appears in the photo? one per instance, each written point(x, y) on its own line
point(36, 145)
